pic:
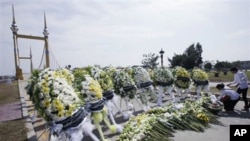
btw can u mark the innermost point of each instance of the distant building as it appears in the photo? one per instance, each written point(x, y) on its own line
point(245, 65)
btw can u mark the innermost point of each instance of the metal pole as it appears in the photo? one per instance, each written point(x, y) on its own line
point(46, 34)
point(161, 52)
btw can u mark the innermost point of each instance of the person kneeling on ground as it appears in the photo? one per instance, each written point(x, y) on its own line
point(229, 97)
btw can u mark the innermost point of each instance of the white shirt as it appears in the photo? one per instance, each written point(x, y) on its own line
point(241, 79)
point(229, 92)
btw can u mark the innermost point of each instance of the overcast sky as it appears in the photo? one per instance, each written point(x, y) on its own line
point(119, 32)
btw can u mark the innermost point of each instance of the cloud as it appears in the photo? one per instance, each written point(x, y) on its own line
point(88, 32)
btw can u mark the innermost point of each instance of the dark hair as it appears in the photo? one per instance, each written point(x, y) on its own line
point(233, 69)
point(220, 86)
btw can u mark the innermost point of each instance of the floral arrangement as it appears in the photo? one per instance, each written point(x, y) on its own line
point(124, 85)
point(137, 127)
point(199, 76)
point(211, 105)
point(130, 71)
point(161, 122)
point(96, 104)
point(92, 89)
point(144, 83)
point(110, 70)
point(65, 73)
point(103, 78)
point(151, 73)
point(142, 77)
point(182, 77)
point(163, 76)
point(55, 97)
point(31, 84)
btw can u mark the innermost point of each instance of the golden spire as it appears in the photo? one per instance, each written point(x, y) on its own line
point(13, 27)
point(45, 30)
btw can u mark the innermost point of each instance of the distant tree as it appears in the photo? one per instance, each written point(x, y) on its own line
point(189, 59)
point(177, 60)
point(199, 51)
point(208, 66)
point(222, 65)
point(150, 60)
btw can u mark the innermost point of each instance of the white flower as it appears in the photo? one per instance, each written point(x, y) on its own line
point(56, 94)
point(141, 75)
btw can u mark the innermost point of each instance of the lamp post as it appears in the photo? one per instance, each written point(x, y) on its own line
point(161, 52)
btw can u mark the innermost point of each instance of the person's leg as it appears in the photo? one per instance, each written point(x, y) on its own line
point(228, 105)
point(244, 97)
point(233, 103)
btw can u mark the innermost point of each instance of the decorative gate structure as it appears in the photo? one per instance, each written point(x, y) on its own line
point(16, 36)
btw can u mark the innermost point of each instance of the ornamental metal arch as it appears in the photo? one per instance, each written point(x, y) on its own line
point(16, 36)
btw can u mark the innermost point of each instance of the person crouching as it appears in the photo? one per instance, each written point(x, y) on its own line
point(229, 97)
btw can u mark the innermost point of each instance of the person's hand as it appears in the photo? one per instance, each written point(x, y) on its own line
point(228, 84)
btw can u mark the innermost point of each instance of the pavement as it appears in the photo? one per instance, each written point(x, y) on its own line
point(37, 130)
point(12, 111)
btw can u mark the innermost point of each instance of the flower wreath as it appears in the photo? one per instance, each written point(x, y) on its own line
point(199, 77)
point(163, 76)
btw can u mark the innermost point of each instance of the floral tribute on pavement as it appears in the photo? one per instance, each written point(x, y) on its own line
point(145, 87)
point(200, 79)
point(162, 122)
point(164, 80)
point(182, 81)
point(76, 102)
point(58, 102)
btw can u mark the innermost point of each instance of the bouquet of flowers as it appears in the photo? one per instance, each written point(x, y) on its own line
point(130, 71)
point(103, 78)
point(55, 97)
point(124, 84)
point(96, 104)
point(137, 127)
point(163, 76)
point(199, 77)
point(182, 77)
point(110, 70)
point(144, 83)
point(211, 104)
point(160, 123)
point(142, 77)
point(66, 74)
point(92, 89)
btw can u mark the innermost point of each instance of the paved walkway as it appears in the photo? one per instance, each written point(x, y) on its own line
point(10, 111)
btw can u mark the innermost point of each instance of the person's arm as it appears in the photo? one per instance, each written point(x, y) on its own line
point(236, 77)
point(222, 94)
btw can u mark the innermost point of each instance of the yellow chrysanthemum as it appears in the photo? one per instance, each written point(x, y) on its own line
point(46, 103)
point(45, 89)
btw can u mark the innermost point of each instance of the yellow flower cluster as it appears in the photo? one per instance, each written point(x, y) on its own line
point(199, 75)
point(182, 77)
point(64, 73)
point(95, 88)
point(203, 117)
point(55, 97)
point(181, 72)
point(141, 119)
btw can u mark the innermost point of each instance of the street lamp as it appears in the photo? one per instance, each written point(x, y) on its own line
point(161, 52)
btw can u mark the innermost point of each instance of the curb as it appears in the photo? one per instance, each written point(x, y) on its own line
point(31, 135)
